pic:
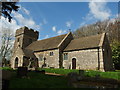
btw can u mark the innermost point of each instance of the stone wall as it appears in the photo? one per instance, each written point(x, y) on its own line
point(51, 61)
point(85, 59)
point(27, 31)
point(26, 36)
point(17, 54)
point(63, 45)
point(23, 37)
point(107, 55)
point(26, 40)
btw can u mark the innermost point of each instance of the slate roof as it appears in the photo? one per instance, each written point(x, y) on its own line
point(46, 44)
point(84, 43)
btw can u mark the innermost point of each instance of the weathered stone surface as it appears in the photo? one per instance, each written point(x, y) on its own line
point(85, 59)
point(92, 57)
point(72, 77)
point(92, 82)
point(22, 71)
point(51, 61)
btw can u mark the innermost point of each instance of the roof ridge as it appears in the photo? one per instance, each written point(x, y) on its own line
point(87, 36)
point(102, 39)
point(63, 39)
point(52, 37)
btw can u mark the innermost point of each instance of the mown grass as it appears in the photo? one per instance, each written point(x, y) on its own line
point(90, 73)
point(37, 80)
point(59, 71)
point(112, 75)
point(6, 68)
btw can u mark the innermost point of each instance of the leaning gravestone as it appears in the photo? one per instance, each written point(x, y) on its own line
point(22, 71)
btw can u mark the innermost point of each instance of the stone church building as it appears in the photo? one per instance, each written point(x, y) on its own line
point(86, 53)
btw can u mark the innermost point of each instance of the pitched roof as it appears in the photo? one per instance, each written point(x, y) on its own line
point(46, 44)
point(29, 53)
point(84, 43)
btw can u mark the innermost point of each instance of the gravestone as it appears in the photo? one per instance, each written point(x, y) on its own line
point(6, 75)
point(97, 76)
point(22, 71)
point(72, 77)
point(41, 72)
point(81, 73)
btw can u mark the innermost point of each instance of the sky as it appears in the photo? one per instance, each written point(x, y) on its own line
point(56, 18)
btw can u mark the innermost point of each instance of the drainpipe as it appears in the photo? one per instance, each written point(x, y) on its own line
point(98, 59)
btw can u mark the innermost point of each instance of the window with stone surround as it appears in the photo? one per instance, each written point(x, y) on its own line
point(65, 56)
point(51, 53)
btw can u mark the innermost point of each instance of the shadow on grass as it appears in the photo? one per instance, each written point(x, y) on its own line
point(37, 80)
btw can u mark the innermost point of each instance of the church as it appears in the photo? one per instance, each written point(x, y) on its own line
point(63, 51)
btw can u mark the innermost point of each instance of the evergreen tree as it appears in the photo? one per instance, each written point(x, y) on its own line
point(7, 8)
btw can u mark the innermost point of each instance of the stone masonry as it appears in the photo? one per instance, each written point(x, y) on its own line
point(86, 53)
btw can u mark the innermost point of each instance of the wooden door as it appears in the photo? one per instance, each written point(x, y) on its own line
point(74, 63)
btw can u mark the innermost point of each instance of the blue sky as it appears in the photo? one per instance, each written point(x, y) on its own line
point(56, 18)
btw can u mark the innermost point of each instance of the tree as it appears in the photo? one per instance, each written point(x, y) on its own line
point(109, 26)
point(7, 38)
point(116, 54)
point(7, 8)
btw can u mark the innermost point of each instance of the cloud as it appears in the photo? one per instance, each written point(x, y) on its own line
point(18, 21)
point(5, 24)
point(45, 21)
point(25, 10)
point(8, 28)
point(54, 28)
point(22, 21)
point(99, 10)
point(117, 15)
point(68, 24)
point(61, 32)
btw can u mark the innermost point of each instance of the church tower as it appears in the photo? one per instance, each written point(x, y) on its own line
point(25, 37)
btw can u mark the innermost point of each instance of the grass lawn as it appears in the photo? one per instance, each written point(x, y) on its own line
point(37, 80)
point(90, 73)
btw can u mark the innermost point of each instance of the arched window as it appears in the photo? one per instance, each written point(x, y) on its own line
point(16, 62)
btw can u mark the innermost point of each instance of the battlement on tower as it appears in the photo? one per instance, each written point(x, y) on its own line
point(26, 31)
